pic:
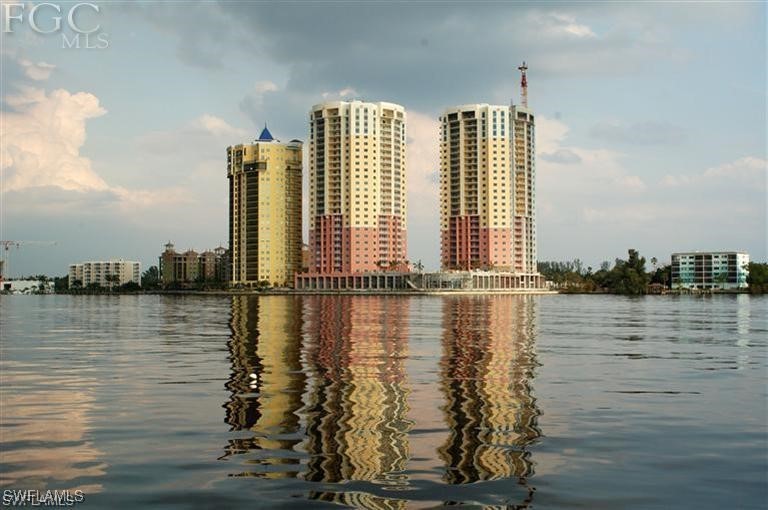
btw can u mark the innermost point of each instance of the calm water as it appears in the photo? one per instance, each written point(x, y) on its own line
point(387, 402)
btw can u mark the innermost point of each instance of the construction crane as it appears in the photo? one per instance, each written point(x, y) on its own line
point(7, 245)
point(523, 84)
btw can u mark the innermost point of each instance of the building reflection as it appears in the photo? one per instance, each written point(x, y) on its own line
point(265, 340)
point(357, 427)
point(331, 402)
point(486, 371)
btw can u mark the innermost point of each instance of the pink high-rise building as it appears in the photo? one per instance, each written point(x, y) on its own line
point(357, 201)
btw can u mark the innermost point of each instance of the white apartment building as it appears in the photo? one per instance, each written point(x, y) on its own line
point(710, 270)
point(101, 272)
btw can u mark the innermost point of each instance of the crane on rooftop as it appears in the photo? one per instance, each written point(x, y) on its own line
point(523, 84)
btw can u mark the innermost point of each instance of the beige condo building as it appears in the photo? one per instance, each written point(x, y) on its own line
point(105, 273)
point(265, 211)
point(487, 188)
point(357, 183)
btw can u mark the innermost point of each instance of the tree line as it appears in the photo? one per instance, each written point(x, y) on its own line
point(628, 277)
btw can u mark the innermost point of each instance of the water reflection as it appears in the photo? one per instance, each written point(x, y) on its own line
point(487, 364)
point(331, 402)
point(46, 433)
point(356, 417)
point(265, 340)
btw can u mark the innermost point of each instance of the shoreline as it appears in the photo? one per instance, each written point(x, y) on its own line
point(360, 292)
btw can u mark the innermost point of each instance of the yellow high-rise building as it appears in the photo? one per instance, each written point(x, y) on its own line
point(265, 211)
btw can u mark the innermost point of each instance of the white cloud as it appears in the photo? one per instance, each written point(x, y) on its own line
point(216, 126)
point(346, 92)
point(265, 86)
point(40, 152)
point(567, 24)
point(38, 71)
point(748, 171)
point(42, 139)
point(748, 168)
point(585, 171)
point(423, 164)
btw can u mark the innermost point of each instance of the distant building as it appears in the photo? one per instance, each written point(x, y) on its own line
point(357, 188)
point(111, 273)
point(27, 287)
point(191, 266)
point(710, 270)
point(265, 211)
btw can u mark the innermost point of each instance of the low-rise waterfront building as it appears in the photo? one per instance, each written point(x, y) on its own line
point(190, 266)
point(710, 270)
point(106, 273)
point(446, 281)
point(27, 287)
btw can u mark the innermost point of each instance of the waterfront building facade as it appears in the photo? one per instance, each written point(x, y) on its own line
point(265, 211)
point(107, 273)
point(487, 188)
point(357, 188)
point(710, 270)
point(190, 266)
point(524, 235)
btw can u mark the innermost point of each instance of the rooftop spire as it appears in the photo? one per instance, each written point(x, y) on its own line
point(523, 85)
point(265, 135)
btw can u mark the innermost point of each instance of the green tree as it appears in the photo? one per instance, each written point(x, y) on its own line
point(662, 275)
point(129, 287)
point(150, 279)
point(757, 279)
point(628, 277)
point(112, 280)
point(61, 284)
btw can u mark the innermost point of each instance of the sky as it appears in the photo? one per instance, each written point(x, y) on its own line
point(651, 117)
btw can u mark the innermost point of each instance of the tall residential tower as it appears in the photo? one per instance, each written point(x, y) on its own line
point(357, 197)
point(488, 188)
point(265, 211)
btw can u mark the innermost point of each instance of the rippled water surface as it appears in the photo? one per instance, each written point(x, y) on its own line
point(387, 402)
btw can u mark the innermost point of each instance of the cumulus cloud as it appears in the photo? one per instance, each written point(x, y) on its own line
point(43, 135)
point(563, 156)
point(748, 171)
point(576, 172)
point(42, 140)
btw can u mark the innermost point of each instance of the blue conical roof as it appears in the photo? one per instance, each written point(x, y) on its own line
point(265, 135)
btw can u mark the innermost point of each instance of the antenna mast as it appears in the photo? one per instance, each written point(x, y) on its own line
point(524, 85)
